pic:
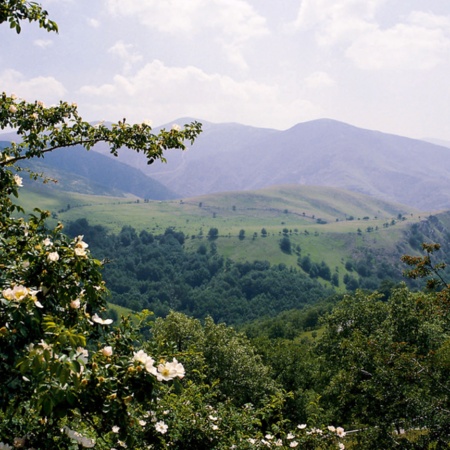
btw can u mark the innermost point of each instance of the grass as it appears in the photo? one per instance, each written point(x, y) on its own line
point(291, 209)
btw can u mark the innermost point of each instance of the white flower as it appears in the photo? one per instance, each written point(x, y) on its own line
point(75, 304)
point(12, 109)
point(107, 351)
point(147, 122)
point(168, 371)
point(115, 429)
point(331, 428)
point(142, 423)
point(290, 436)
point(82, 440)
point(17, 293)
point(278, 443)
point(293, 444)
point(340, 432)
point(341, 446)
point(176, 127)
point(122, 444)
point(82, 354)
point(53, 256)
point(302, 426)
point(161, 427)
point(140, 356)
point(41, 103)
point(268, 437)
point(34, 116)
point(101, 321)
point(315, 431)
point(47, 242)
point(80, 246)
point(18, 180)
point(5, 446)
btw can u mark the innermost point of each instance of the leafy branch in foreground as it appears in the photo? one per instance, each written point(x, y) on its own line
point(423, 267)
point(16, 11)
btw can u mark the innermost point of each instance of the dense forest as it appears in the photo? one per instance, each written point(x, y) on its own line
point(143, 271)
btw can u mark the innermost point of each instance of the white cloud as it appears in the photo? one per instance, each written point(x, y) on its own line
point(231, 17)
point(337, 20)
point(164, 93)
point(43, 43)
point(47, 89)
point(94, 23)
point(233, 22)
point(125, 52)
point(319, 80)
point(422, 42)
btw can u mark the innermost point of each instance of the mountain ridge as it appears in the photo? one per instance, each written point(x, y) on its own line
point(236, 157)
point(230, 156)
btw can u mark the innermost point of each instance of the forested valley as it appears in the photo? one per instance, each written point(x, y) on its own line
point(143, 271)
point(372, 362)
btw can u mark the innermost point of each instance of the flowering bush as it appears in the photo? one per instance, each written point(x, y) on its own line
point(70, 378)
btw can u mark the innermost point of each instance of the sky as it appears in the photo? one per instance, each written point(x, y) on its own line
point(376, 64)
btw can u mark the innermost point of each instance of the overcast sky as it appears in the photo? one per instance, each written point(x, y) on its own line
point(376, 64)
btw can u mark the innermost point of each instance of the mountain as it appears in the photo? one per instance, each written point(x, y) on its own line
point(234, 157)
point(93, 173)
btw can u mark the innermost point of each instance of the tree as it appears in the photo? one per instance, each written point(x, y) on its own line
point(241, 235)
point(385, 361)
point(70, 379)
point(213, 233)
point(63, 369)
point(285, 244)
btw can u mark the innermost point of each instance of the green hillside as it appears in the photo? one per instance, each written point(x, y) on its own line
point(321, 223)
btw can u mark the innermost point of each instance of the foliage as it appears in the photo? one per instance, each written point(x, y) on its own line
point(70, 379)
point(15, 11)
point(381, 366)
point(156, 272)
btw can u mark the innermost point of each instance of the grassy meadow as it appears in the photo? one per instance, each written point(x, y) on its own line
point(324, 223)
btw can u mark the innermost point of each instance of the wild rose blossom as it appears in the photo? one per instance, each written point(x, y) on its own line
point(80, 246)
point(18, 180)
point(101, 321)
point(147, 361)
point(75, 304)
point(17, 293)
point(169, 371)
point(107, 351)
point(161, 427)
point(53, 256)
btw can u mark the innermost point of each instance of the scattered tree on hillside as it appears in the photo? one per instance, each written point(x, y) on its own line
point(213, 233)
point(285, 244)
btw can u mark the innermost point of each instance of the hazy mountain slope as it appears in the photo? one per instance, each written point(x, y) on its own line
point(322, 152)
point(92, 173)
point(235, 157)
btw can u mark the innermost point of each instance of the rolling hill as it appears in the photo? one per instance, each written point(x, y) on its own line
point(234, 157)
